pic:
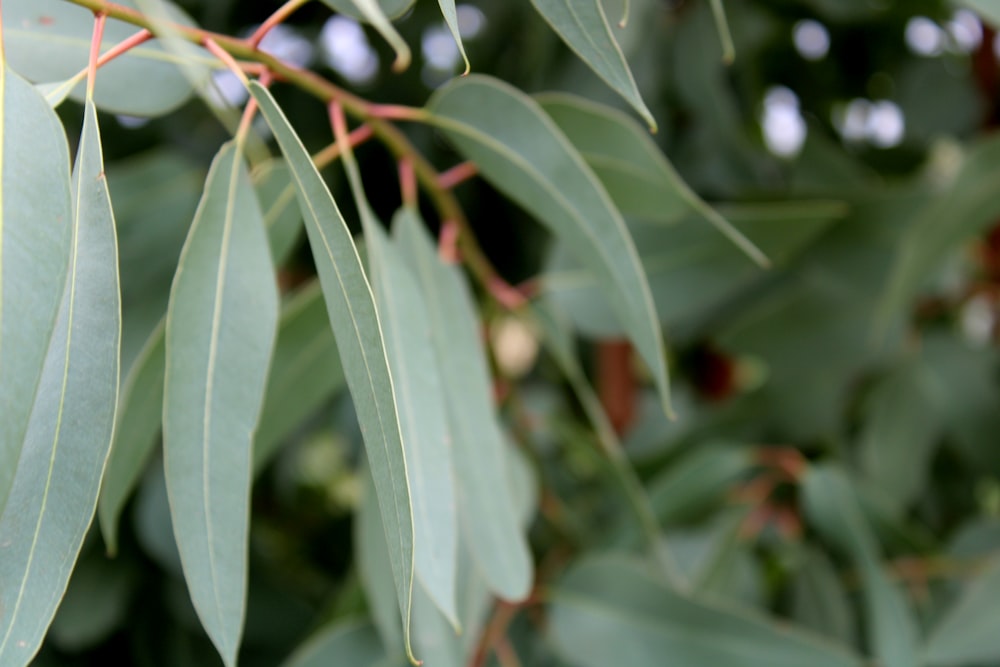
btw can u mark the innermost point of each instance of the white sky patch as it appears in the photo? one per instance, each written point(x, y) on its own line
point(965, 32)
point(285, 42)
point(346, 49)
point(226, 90)
point(925, 37)
point(782, 123)
point(812, 40)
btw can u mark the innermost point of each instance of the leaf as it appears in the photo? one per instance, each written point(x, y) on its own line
point(374, 566)
point(638, 177)
point(966, 206)
point(697, 481)
point(831, 505)
point(609, 611)
point(305, 371)
point(281, 212)
point(54, 494)
point(521, 151)
point(819, 601)
point(688, 253)
point(392, 9)
point(351, 643)
point(140, 413)
point(35, 235)
point(969, 631)
point(486, 508)
point(220, 331)
point(355, 323)
point(451, 19)
point(48, 41)
point(374, 12)
point(582, 25)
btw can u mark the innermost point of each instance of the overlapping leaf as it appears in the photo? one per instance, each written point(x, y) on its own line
point(486, 509)
point(584, 27)
point(832, 507)
point(54, 493)
point(521, 151)
point(35, 233)
point(220, 332)
point(611, 611)
point(356, 326)
point(49, 41)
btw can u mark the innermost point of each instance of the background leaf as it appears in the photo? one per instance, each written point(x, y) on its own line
point(54, 494)
point(220, 332)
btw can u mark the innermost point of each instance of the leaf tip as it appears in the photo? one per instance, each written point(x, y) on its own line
point(402, 61)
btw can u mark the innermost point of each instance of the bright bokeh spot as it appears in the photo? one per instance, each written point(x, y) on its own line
point(346, 49)
point(965, 32)
point(811, 39)
point(782, 123)
point(471, 21)
point(885, 124)
point(924, 36)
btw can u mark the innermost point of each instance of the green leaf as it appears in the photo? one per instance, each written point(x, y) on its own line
point(54, 494)
point(220, 332)
point(819, 600)
point(140, 413)
point(451, 19)
point(486, 508)
point(688, 253)
point(305, 371)
point(832, 507)
point(346, 642)
point(371, 551)
point(697, 482)
point(610, 611)
point(281, 212)
point(35, 234)
point(48, 41)
point(969, 632)
point(378, 13)
point(356, 327)
point(638, 177)
point(584, 27)
point(521, 151)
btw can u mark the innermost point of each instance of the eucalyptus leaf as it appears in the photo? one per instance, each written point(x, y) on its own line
point(584, 27)
point(35, 236)
point(57, 479)
point(220, 332)
point(969, 632)
point(522, 152)
point(378, 14)
point(486, 508)
point(355, 324)
point(281, 211)
point(347, 642)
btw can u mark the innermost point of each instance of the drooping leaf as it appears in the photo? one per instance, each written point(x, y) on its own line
point(54, 493)
point(220, 332)
point(584, 27)
point(609, 610)
point(638, 177)
point(831, 506)
point(139, 418)
point(346, 642)
point(371, 553)
point(35, 233)
point(48, 41)
point(521, 151)
point(688, 253)
point(305, 371)
point(281, 212)
point(969, 632)
point(378, 14)
point(486, 509)
point(451, 19)
point(355, 324)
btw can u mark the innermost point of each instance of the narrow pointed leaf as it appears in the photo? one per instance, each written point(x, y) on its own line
point(281, 211)
point(519, 149)
point(609, 611)
point(220, 331)
point(373, 12)
point(305, 371)
point(969, 632)
point(356, 327)
point(638, 177)
point(391, 8)
point(139, 418)
point(35, 217)
point(585, 29)
point(486, 509)
point(451, 19)
point(54, 494)
point(832, 507)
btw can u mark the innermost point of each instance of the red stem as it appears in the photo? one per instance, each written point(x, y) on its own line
point(457, 175)
point(95, 50)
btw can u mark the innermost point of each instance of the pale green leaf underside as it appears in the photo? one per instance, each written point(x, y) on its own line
point(610, 611)
point(518, 148)
point(48, 41)
point(355, 324)
point(486, 509)
point(35, 217)
point(392, 9)
point(220, 331)
point(584, 28)
point(54, 494)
